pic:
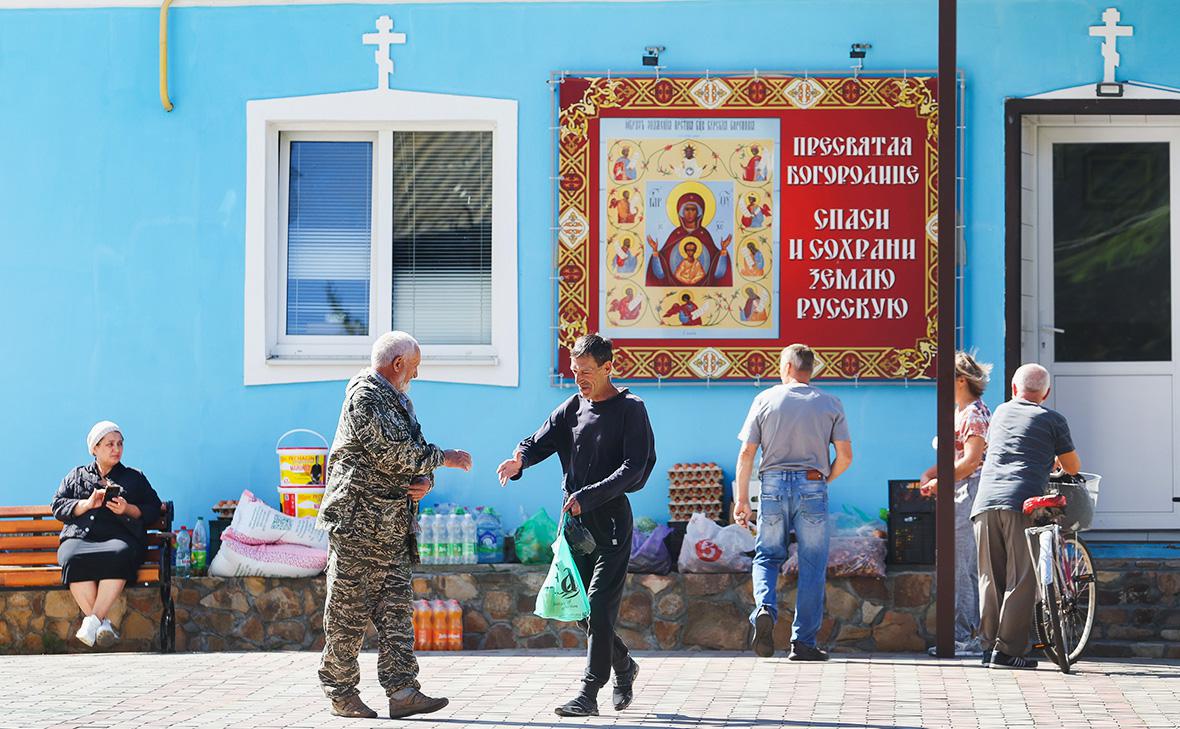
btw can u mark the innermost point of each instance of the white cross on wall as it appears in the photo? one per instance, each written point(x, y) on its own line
point(383, 39)
point(1110, 33)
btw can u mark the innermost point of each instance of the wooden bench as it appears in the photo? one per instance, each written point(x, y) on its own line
point(28, 558)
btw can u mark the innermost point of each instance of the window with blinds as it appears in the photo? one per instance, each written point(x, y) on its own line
point(329, 238)
point(442, 236)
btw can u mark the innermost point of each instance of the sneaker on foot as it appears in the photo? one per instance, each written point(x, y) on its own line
point(967, 649)
point(408, 703)
point(353, 708)
point(106, 636)
point(763, 640)
point(801, 652)
point(624, 692)
point(582, 705)
point(1003, 660)
point(89, 630)
point(987, 657)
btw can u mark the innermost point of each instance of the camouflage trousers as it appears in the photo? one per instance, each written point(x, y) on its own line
point(367, 582)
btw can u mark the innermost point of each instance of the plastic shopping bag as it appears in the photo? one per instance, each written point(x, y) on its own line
point(649, 553)
point(534, 537)
point(562, 595)
point(710, 548)
point(856, 549)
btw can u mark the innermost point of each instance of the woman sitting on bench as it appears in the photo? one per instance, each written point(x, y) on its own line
point(105, 506)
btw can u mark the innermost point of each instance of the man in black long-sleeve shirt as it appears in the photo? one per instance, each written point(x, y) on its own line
point(607, 450)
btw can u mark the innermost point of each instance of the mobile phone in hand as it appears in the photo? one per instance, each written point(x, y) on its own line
point(113, 491)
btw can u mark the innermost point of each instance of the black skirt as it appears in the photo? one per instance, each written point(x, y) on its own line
point(91, 560)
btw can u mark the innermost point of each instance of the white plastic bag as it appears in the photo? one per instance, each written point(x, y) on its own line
point(710, 548)
point(257, 523)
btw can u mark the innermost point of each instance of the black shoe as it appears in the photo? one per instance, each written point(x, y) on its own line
point(987, 657)
point(763, 634)
point(624, 687)
point(582, 705)
point(1003, 660)
point(801, 652)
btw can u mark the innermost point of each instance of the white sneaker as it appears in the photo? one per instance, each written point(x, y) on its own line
point(89, 630)
point(106, 635)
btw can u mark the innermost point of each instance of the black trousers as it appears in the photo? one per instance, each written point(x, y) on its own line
point(604, 573)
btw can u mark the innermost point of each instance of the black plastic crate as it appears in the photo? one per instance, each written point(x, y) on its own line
point(911, 538)
point(905, 496)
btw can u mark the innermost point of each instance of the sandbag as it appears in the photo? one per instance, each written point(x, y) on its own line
point(710, 548)
point(534, 539)
point(257, 523)
point(239, 559)
point(649, 552)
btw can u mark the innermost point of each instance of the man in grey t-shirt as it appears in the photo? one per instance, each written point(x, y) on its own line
point(795, 425)
point(1026, 439)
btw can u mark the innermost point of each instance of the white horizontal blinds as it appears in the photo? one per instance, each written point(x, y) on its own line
point(442, 236)
point(329, 238)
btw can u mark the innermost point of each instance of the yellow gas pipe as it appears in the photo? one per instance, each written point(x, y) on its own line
point(164, 56)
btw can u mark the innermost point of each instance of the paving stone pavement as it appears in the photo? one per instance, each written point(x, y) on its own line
point(519, 689)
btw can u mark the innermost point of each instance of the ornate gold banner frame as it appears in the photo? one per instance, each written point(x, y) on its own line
point(849, 352)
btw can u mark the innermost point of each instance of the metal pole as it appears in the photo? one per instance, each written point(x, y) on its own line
point(945, 400)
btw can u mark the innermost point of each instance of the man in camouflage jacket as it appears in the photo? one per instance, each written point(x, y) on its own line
point(380, 465)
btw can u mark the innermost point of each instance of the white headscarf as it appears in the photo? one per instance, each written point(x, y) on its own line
point(100, 430)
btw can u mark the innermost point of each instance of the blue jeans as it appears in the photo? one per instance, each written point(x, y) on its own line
point(789, 500)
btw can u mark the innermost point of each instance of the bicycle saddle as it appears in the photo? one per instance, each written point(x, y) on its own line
point(1052, 501)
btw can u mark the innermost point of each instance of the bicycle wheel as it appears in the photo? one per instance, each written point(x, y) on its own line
point(1079, 596)
point(1059, 652)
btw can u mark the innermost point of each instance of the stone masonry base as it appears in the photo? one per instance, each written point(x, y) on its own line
point(1139, 612)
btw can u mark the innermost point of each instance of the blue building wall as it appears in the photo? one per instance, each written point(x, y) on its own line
point(122, 226)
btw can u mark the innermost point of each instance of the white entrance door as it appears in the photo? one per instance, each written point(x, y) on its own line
point(1109, 326)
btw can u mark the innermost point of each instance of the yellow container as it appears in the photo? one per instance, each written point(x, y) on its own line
point(301, 501)
point(302, 466)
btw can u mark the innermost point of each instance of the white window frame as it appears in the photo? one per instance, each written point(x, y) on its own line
point(270, 355)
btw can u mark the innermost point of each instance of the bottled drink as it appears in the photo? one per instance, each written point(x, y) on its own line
point(455, 539)
point(490, 535)
point(438, 625)
point(454, 626)
point(183, 558)
point(199, 546)
point(469, 539)
point(421, 625)
point(427, 544)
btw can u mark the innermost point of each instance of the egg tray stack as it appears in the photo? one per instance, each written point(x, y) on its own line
point(694, 487)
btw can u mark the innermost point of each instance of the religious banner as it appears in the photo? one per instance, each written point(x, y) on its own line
point(705, 223)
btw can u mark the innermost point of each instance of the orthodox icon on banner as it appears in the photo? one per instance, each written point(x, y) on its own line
point(671, 194)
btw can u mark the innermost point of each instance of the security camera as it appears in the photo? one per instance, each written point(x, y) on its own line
point(859, 50)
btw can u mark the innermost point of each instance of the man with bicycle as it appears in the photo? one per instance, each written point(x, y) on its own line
point(1027, 440)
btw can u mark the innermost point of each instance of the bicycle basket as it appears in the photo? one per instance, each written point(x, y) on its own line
point(1081, 498)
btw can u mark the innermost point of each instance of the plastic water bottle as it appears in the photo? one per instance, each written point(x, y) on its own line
point(199, 546)
point(454, 626)
point(421, 625)
point(455, 538)
point(427, 543)
point(490, 537)
point(438, 625)
point(183, 562)
point(469, 539)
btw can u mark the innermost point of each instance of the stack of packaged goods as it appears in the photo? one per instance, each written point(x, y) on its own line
point(693, 488)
